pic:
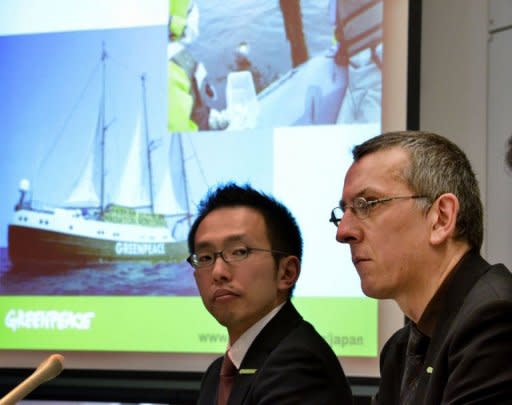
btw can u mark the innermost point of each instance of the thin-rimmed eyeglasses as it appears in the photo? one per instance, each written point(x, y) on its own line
point(361, 207)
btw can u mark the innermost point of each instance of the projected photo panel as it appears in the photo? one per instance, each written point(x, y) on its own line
point(112, 135)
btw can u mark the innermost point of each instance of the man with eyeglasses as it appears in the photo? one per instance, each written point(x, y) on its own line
point(246, 249)
point(412, 216)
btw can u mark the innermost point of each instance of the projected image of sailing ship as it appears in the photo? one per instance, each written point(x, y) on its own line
point(132, 217)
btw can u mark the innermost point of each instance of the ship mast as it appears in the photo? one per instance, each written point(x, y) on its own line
point(185, 186)
point(103, 130)
point(148, 145)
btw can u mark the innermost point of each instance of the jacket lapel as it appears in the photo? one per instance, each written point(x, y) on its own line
point(467, 273)
point(210, 384)
point(267, 340)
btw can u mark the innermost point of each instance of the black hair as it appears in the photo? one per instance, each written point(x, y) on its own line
point(282, 229)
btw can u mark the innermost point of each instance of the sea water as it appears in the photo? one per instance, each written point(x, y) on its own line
point(121, 278)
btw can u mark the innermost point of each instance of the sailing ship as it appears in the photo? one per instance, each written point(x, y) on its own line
point(87, 228)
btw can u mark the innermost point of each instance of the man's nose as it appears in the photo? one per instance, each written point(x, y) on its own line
point(220, 269)
point(348, 228)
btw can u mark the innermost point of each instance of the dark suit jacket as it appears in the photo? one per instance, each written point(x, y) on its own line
point(470, 351)
point(292, 365)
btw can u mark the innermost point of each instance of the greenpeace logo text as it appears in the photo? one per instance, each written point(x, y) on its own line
point(139, 249)
point(59, 320)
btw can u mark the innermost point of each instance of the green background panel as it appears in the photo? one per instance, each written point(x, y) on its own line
point(175, 324)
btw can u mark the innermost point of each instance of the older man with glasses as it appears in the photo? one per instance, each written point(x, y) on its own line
point(246, 249)
point(411, 213)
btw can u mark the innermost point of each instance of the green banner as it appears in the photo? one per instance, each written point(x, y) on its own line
point(165, 324)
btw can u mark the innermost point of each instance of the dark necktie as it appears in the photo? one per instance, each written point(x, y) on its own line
point(414, 360)
point(228, 372)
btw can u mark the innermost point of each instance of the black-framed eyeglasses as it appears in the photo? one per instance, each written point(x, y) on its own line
point(361, 207)
point(230, 254)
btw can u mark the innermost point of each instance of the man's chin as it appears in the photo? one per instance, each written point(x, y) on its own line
point(225, 318)
point(372, 291)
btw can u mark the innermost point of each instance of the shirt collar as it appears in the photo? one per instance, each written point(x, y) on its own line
point(239, 349)
point(428, 319)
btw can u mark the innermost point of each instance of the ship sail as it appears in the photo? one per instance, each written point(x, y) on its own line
point(171, 197)
point(133, 187)
point(179, 180)
point(85, 191)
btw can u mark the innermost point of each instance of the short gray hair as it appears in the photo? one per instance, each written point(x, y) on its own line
point(437, 166)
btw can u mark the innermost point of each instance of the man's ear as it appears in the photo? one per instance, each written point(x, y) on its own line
point(288, 272)
point(443, 214)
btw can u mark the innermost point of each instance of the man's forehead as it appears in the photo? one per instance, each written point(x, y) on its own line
point(228, 224)
point(226, 215)
point(228, 240)
point(376, 172)
point(391, 155)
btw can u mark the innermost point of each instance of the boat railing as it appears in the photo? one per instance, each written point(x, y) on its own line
point(37, 206)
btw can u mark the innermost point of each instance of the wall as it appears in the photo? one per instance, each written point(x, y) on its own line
point(453, 75)
point(454, 100)
point(499, 128)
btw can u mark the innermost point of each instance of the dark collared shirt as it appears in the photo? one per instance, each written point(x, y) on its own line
point(419, 339)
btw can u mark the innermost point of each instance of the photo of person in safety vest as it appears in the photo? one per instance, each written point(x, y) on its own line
point(188, 88)
point(334, 74)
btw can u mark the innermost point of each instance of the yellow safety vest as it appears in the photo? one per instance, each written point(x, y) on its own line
point(181, 97)
point(178, 10)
